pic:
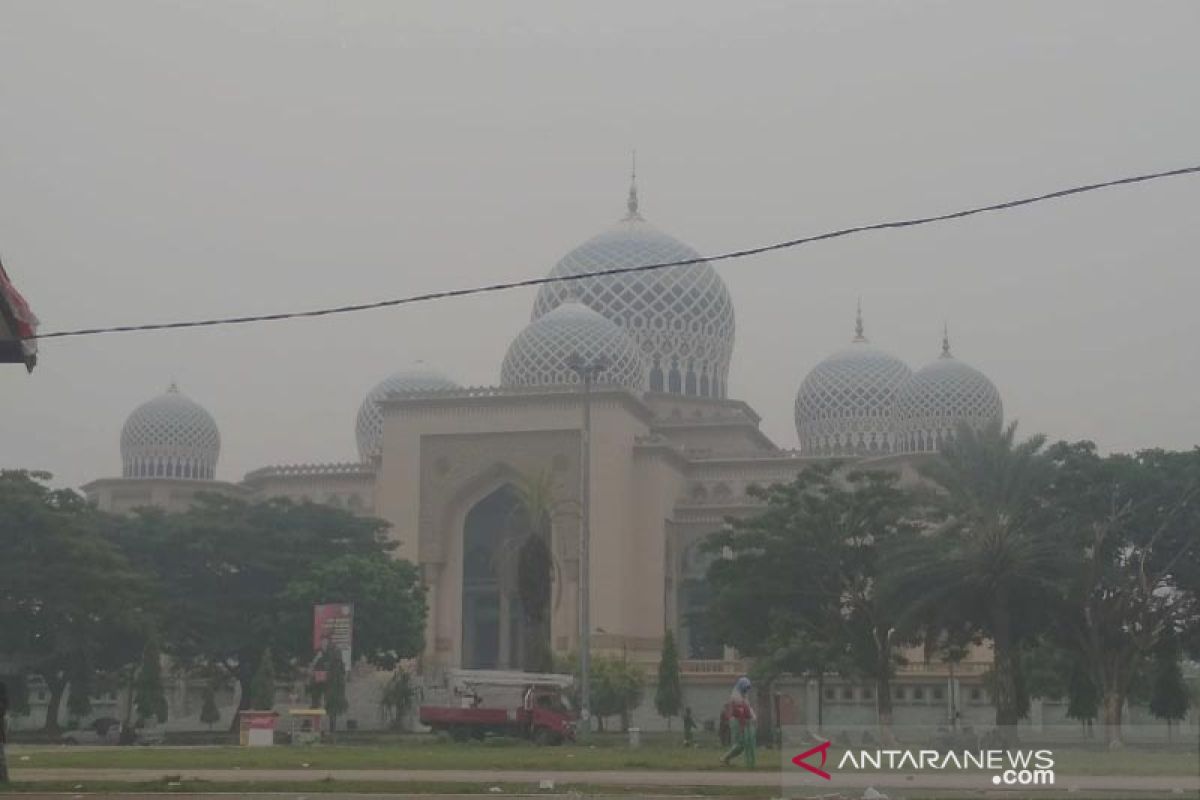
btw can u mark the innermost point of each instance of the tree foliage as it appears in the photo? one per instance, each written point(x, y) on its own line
point(150, 699)
point(238, 578)
point(668, 693)
point(397, 698)
point(1169, 699)
point(988, 561)
point(537, 505)
point(209, 713)
point(799, 590)
point(334, 691)
point(71, 604)
point(262, 685)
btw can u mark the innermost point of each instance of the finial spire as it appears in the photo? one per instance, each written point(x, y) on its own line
point(946, 341)
point(858, 324)
point(632, 203)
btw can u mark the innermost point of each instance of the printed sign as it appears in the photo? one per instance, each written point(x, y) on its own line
point(333, 626)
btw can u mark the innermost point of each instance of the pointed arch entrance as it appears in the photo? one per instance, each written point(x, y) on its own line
point(493, 625)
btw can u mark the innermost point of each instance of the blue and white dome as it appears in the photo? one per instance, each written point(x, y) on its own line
point(170, 436)
point(938, 398)
point(368, 429)
point(542, 353)
point(680, 317)
point(844, 406)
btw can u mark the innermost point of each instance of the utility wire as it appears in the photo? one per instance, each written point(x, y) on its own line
point(505, 286)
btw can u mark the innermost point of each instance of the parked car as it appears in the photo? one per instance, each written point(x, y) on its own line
point(109, 731)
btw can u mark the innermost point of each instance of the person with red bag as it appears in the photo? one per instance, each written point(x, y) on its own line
point(744, 721)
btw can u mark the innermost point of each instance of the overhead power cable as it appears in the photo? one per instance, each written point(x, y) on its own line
point(729, 256)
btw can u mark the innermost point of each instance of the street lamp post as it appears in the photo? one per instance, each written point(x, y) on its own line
point(588, 371)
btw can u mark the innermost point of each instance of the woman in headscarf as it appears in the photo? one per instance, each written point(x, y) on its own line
point(744, 721)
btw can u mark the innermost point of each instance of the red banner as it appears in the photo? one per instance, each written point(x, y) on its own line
point(333, 626)
point(26, 322)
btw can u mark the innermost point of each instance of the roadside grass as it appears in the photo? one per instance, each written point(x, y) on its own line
point(390, 788)
point(428, 753)
point(432, 754)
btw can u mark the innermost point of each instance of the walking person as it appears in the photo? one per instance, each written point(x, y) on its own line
point(689, 728)
point(744, 721)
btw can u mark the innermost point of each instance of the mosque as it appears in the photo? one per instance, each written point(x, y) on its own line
point(671, 455)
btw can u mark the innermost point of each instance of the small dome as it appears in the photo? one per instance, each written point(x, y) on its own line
point(368, 429)
point(541, 353)
point(938, 398)
point(680, 317)
point(170, 436)
point(844, 406)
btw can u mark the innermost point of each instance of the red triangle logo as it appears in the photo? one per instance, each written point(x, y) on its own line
point(823, 749)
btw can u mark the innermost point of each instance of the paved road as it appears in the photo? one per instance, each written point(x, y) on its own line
point(1187, 785)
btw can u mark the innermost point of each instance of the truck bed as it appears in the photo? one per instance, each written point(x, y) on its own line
point(448, 715)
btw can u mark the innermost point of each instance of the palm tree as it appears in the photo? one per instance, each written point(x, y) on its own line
point(985, 562)
point(537, 504)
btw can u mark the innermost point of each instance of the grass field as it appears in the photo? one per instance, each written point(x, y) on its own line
point(427, 753)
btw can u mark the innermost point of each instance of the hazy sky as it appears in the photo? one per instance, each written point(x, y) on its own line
point(181, 159)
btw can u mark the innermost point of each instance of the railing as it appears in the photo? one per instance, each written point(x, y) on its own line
point(941, 667)
point(711, 666)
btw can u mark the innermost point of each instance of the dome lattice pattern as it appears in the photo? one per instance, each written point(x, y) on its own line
point(681, 317)
point(540, 354)
point(368, 428)
point(170, 436)
point(844, 406)
point(938, 398)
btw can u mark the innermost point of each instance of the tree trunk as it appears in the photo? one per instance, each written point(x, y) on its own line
point(883, 686)
point(883, 691)
point(1004, 670)
point(1113, 706)
point(243, 676)
point(820, 700)
point(57, 684)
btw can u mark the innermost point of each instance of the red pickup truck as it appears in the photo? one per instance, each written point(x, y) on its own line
point(511, 704)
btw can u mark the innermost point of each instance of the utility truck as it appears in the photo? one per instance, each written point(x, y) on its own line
point(472, 704)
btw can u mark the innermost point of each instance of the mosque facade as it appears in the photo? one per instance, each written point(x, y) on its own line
point(672, 455)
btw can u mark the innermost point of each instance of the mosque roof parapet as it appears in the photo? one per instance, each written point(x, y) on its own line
point(471, 392)
point(339, 469)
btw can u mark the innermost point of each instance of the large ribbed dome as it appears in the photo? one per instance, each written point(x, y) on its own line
point(368, 429)
point(541, 354)
point(938, 398)
point(681, 317)
point(844, 405)
point(170, 436)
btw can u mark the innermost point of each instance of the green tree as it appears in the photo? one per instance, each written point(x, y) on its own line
point(150, 700)
point(388, 599)
point(262, 685)
point(668, 694)
point(1083, 701)
point(989, 562)
point(334, 690)
point(616, 685)
point(617, 688)
point(537, 504)
point(799, 590)
point(1170, 698)
point(209, 713)
point(71, 604)
point(1127, 526)
point(397, 698)
point(229, 572)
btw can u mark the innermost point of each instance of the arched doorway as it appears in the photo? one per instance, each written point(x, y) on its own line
point(492, 621)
